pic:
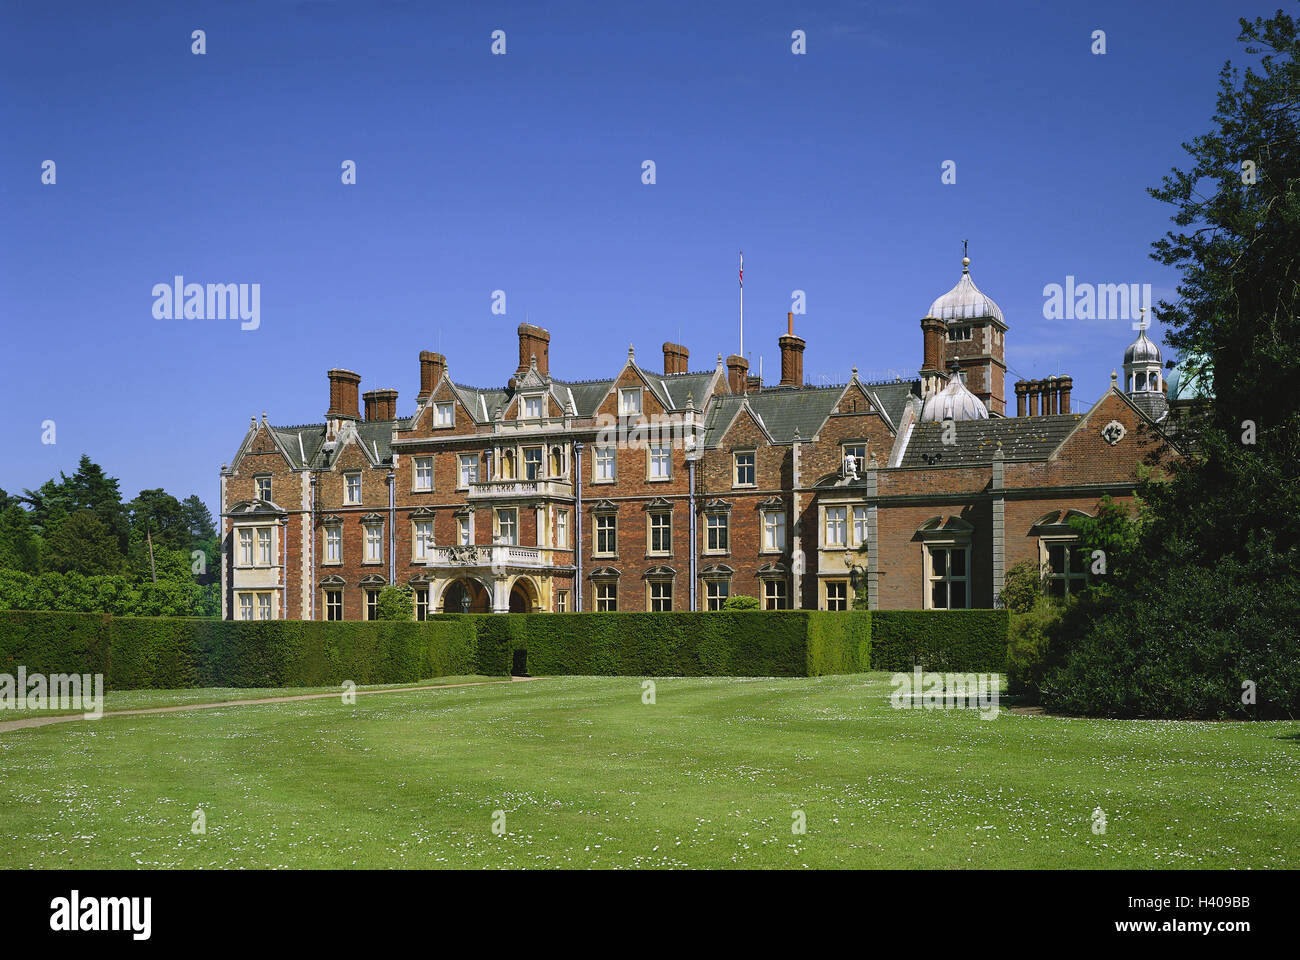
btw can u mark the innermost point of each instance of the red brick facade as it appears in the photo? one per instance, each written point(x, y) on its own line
point(746, 492)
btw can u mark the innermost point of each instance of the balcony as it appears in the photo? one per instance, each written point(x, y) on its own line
point(515, 489)
point(497, 556)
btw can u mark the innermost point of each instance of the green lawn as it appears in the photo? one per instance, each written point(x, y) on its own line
point(144, 699)
point(589, 776)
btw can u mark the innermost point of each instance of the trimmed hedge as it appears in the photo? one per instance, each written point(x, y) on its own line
point(838, 642)
point(722, 643)
point(172, 653)
point(163, 652)
point(963, 641)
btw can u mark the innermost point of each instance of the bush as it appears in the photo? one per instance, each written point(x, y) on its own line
point(1028, 642)
point(1022, 587)
point(1182, 648)
point(395, 603)
point(741, 602)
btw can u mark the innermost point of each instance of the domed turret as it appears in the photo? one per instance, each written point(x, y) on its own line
point(954, 402)
point(965, 301)
point(1142, 350)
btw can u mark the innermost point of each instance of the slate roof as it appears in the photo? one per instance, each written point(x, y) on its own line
point(892, 397)
point(1023, 438)
point(783, 411)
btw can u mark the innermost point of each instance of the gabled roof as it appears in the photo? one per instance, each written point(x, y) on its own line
point(782, 412)
point(1022, 438)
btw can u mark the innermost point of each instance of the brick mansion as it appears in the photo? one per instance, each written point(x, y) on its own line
point(672, 489)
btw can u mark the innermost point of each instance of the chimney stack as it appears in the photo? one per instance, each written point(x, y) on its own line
point(932, 331)
point(791, 356)
point(533, 342)
point(1035, 388)
point(432, 366)
point(737, 373)
point(1022, 391)
point(380, 404)
point(1050, 400)
point(343, 395)
point(1066, 384)
point(675, 358)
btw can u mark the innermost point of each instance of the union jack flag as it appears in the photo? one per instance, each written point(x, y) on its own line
point(742, 268)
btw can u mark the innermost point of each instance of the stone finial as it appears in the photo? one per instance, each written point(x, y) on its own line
point(252, 423)
point(855, 371)
point(690, 401)
point(1114, 379)
point(532, 362)
point(631, 353)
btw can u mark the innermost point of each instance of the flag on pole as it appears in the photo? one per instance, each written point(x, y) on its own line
point(742, 268)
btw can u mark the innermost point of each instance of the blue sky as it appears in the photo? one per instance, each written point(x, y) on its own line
point(523, 173)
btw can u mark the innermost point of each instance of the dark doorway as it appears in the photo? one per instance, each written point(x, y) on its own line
point(453, 598)
point(519, 668)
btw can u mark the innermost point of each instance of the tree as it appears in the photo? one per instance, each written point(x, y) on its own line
point(82, 544)
point(1202, 589)
point(20, 545)
point(395, 603)
point(741, 602)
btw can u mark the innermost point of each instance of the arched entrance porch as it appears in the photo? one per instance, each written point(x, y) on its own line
point(456, 592)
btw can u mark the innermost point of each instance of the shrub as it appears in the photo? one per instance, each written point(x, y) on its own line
point(395, 603)
point(741, 602)
point(1028, 640)
point(1022, 587)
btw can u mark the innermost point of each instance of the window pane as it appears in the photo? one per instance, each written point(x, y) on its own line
point(939, 595)
point(957, 594)
point(957, 562)
point(1056, 558)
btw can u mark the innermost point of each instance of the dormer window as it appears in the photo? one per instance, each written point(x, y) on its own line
point(629, 401)
point(532, 408)
point(352, 488)
point(263, 487)
point(444, 415)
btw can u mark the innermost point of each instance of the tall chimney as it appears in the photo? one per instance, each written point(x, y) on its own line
point(380, 404)
point(932, 330)
point(1035, 388)
point(1022, 390)
point(737, 373)
point(1050, 402)
point(791, 355)
point(675, 358)
point(1066, 384)
point(533, 342)
point(432, 366)
point(343, 394)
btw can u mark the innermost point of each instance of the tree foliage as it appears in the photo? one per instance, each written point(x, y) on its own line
point(72, 544)
point(1200, 598)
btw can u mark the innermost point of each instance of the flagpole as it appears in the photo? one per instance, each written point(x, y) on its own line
point(742, 303)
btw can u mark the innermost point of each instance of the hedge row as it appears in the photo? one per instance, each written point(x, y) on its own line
point(962, 641)
point(723, 643)
point(165, 652)
point(172, 653)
